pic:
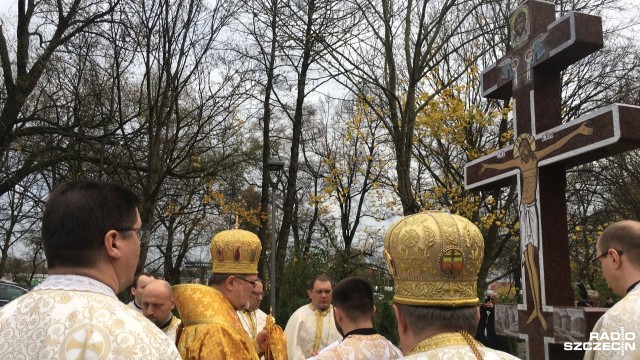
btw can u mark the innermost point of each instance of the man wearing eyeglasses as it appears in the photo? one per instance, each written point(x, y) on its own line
point(618, 254)
point(92, 248)
point(211, 326)
point(252, 318)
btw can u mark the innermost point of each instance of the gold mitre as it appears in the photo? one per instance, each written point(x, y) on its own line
point(235, 252)
point(434, 258)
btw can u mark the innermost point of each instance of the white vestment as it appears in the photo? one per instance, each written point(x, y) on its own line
point(75, 317)
point(461, 352)
point(253, 321)
point(362, 347)
point(301, 332)
point(135, 306)
point(171, 329)
point(453, 346)
point(621, 321)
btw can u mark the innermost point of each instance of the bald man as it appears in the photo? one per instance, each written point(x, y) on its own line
point(618, 254)
point(157, 303)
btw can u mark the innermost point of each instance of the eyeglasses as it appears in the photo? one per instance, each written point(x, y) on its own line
point(141, 232)
point(604, 254)
point(253, 283)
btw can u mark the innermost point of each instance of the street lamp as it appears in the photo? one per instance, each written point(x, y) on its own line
point(274, 165)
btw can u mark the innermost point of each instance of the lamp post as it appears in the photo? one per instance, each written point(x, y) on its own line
point(274, 165)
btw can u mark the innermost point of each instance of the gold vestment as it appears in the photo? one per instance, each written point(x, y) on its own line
point(211, 327)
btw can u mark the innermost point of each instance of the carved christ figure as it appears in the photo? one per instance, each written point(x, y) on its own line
point(526, 159)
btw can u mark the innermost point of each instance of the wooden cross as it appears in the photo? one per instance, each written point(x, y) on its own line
point(543, 46)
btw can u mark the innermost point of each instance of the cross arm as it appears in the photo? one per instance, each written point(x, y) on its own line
point(616, 129)
point(567, 40)
point(613, 130)
point(491, 171)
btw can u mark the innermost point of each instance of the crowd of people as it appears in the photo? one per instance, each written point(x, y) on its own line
point(91, 236)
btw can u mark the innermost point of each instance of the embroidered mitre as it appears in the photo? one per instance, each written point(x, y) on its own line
point(434, 258)
point(235, 252)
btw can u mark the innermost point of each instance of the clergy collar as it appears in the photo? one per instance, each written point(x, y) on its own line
point(136, 304)
point(320, 312)
point(445, 339)
point(363, 331)
point(163, 326)
point(633, 286)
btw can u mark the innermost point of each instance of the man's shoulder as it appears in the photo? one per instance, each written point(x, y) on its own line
point(300, 311)
point(461, 353)
point(625, 311)
point(175, 321)
point(74, 309)
point(373, 339)
point(261, 315)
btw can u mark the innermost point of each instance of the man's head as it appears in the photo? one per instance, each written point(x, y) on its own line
point(524, 147)
point(353, 304)
point(593, 298)
point(237, 288)
point(609, 300)
point(434, 258)
point(157, 301)
point(140, 281)
point(91, 224)
point(618, 253)
point(235, 254)
point(319, 291)
point(256, 296)
point(490, 296)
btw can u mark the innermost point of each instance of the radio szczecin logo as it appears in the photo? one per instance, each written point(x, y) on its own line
point(607, 341)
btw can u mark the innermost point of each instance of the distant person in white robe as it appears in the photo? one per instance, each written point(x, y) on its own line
point(91, 236)
point(353, 309)
point(157, 305)
point(253, 319)
point(618, 254)
point(140, 281)
point(312, 327)
point(434, 258)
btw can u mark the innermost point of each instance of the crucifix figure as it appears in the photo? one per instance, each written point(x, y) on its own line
point(526, 158)
point(530, 75)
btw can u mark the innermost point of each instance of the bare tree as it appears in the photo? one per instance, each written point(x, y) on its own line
point(399, 44)
point(52, 25)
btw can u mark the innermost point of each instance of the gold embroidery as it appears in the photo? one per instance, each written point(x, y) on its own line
point(317, 339)
point(78, 325)
point(440, 340)
point(251, 321)
point(234, 252)
point(211, 326)
point(435, 258)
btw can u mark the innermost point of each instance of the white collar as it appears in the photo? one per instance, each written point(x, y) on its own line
point(75, 282)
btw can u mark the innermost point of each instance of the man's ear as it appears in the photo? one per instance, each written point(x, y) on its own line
point(309, 292)
point(229, 282)
point(615, 258)
point(374, 311)
point(112, 244)
point(402, 324)
point(337, 314)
